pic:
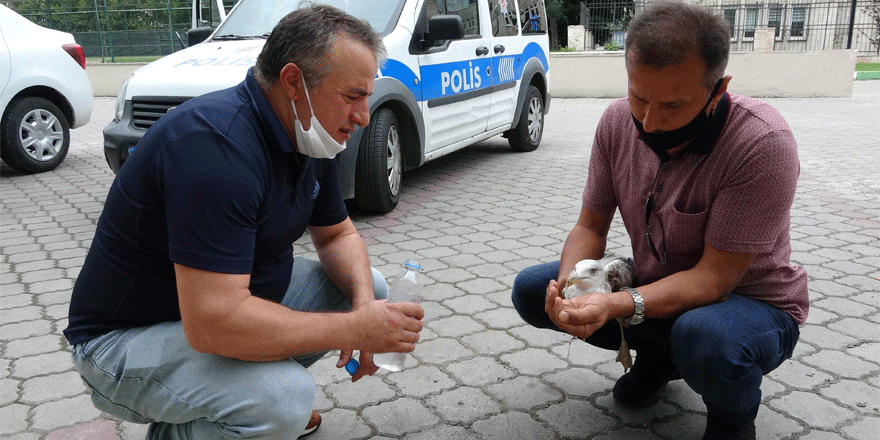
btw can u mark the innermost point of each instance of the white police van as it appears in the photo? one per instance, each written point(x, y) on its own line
point(459, 71)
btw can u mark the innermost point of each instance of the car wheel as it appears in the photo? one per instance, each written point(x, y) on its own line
point(379, 164)
point(526, 136)
point(36, 135)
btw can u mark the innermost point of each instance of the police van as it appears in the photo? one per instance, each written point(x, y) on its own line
point(458, 72)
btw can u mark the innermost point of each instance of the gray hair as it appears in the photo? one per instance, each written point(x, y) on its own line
point(667, 33)
point(305, 37)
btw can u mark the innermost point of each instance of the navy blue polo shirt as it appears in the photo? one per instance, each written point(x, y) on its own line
point(216, 184)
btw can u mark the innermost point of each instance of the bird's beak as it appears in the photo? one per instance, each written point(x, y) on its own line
point(572, 280)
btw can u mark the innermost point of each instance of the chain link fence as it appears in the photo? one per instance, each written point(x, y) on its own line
point(115, 30)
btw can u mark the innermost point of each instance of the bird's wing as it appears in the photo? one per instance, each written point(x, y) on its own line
point(619, 274)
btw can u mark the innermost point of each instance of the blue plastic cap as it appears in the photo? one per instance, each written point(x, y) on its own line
point(352, 366)
point(413, 265)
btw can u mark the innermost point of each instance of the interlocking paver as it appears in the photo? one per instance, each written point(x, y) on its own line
point(474, 219)
point(52, 387)
point(524, 393)
point(19, 348)
point(814, 410)
point(400, 416)
point(421, 381)
point(463, 404)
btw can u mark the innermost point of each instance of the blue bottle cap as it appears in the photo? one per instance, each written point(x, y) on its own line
point(352, 366)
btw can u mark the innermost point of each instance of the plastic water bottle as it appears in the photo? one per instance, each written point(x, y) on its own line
point(407, 287)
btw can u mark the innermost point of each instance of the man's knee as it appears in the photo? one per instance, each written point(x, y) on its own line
point(698, 339)
point(279, 406)
point(524, 297)
point(712, 358)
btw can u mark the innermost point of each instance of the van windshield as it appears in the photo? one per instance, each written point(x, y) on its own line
point(256, 18)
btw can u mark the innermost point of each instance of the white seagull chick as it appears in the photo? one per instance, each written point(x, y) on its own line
point(610, 274)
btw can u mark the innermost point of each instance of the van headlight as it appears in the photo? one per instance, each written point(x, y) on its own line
point(120, 98)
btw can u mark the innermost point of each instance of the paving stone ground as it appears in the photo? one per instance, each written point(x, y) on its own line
point(474, 219)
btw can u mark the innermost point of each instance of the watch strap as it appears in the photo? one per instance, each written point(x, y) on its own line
point(639, 314)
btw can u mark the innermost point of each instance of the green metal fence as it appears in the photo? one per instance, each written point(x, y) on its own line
point(114, 29)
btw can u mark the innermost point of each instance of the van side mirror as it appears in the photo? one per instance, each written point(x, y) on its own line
point(443, 27)
point(197, 35)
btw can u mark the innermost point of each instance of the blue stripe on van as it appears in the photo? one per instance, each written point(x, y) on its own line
point(449, 79)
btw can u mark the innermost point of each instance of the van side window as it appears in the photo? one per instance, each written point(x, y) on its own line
point(503, 13)
point(466, 9)
point(532, 17)
point(435, 7)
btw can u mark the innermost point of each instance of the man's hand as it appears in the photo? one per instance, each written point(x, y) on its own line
point(388, 327)
point(384, 327)
point(366, 367)
point(580, 316)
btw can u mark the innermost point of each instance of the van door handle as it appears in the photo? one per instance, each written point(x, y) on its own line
point(499, 48)
point(482, 50)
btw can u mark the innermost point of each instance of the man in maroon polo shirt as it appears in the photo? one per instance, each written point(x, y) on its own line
point(704, 181)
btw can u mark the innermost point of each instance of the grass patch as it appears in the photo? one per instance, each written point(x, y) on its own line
point(867, 67)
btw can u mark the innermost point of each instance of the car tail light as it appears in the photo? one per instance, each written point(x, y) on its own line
point(76, 52)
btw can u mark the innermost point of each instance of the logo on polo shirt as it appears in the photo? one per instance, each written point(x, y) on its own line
point(316, 190)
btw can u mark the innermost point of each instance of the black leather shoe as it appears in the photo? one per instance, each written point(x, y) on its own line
point(642, 386)
point(717, 430)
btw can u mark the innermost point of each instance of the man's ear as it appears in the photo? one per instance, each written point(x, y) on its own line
point(721, 90)
point(291, 81)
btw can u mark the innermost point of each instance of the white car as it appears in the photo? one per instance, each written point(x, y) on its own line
point(44, 92)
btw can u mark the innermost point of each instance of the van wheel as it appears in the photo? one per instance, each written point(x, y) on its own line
point(526, 136)
point(36, 135)
point(379, 164)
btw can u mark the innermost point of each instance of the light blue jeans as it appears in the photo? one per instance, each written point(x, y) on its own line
point(152, 375)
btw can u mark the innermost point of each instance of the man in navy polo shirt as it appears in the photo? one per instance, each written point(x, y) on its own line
point(190, 312)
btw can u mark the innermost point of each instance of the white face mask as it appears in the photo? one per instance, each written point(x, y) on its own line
point(315, 142)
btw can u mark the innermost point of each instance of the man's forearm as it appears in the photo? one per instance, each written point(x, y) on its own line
point(347, 264)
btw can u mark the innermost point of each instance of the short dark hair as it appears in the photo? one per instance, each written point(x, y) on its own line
point(305, 37)
point(666, 33)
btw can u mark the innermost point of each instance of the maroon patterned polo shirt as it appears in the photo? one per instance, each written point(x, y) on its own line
point(734, 194)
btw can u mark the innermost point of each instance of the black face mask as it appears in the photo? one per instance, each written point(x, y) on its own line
point(667, 140)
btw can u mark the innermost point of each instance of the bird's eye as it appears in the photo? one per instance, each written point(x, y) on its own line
point(594, 270)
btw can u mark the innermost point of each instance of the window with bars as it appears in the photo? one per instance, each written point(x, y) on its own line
point(798, 22)
point(750, 22)
point(730, 16)
point(774, 19)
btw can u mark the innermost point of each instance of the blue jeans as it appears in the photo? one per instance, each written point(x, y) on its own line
point(152, 375)
point(721, 350)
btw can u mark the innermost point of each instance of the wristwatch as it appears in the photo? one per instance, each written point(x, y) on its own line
point(639, 315)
